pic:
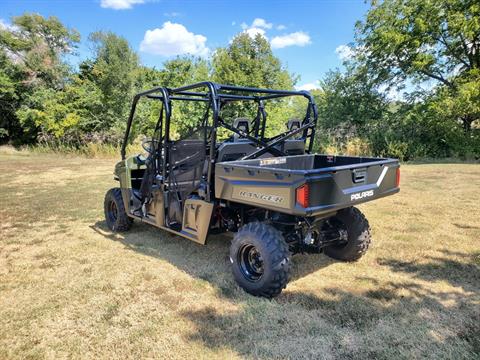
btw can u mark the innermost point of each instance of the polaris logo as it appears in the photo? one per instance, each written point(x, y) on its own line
point(263, 197)
point(361, 195)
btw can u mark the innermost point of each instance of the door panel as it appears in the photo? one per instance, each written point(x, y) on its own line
point(196, 219)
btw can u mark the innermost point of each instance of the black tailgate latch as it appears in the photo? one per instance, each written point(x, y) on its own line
point(359, 175)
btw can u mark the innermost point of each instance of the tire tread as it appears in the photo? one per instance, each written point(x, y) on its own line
point(124, 222)
point(278, 250)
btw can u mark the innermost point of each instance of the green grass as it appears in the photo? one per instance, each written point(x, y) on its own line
point(69, 288)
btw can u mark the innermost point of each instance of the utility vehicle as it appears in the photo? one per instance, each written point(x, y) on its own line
point(271, 192)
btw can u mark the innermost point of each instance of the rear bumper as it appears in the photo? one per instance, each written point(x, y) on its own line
point(326, 209)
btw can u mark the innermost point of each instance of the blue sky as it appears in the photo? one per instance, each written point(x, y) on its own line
point(306, 35)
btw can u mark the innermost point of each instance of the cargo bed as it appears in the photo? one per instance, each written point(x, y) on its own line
point(331, 182)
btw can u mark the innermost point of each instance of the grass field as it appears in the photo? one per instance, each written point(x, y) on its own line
point(71, 289)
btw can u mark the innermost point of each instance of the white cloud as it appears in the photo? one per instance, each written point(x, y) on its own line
point(258, 26)
point(4, 25)
point(234, 23)
point(345, 52)
point(281, 27)
point(261, 23)
point(120, 4)
point(173, 39)
point(298, 38)
point(308, 86)
point(391, 93)
point(252, 32)
point(172, 14)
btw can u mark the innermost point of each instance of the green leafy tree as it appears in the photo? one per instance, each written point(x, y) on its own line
point(11, 90)
point(32, 53)
point(248, 61)
point(423, 40)
point(350, 99)
point(113, 70)
point(37, 45)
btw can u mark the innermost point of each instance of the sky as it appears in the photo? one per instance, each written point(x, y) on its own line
point(310, 37)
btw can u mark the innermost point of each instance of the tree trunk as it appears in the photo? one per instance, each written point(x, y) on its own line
point(467, 123)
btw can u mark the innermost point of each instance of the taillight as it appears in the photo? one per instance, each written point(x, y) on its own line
point(302, 195)
point(397, 179)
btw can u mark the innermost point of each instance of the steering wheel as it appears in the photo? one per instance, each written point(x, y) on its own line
point(150, 145)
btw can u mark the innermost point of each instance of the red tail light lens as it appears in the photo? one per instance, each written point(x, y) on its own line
point(397, 180)
point(302, 195)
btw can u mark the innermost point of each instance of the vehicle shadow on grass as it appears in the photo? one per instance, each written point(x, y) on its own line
point(210, 262)
point(397, 320)
point(385, 318)
point(464, 273)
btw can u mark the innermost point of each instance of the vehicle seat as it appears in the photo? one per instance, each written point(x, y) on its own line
point(294, 145)
point(242, 124)
point(229, 151)
point(294, 124)
point(240, 147)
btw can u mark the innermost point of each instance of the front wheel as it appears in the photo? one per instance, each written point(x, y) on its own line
point(115, 214)
point(260, 259)
point(354, 223)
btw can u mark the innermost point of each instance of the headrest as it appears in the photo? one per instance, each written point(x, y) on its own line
point(242, 124)
point(293, 124)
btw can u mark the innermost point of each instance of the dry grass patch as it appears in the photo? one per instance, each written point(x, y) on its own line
point(70, 288)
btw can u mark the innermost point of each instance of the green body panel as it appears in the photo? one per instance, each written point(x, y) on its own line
point(197, 213)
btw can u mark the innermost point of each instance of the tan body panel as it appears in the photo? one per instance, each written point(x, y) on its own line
point(196, 219)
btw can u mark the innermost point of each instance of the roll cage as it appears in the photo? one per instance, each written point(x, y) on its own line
point(217, 95)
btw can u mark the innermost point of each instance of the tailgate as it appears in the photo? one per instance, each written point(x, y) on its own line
point(333, 190)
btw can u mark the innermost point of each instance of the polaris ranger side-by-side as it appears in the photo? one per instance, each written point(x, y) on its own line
point(271, 192)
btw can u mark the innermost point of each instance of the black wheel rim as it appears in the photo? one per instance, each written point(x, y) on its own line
point(112, 212)
point(251, 262)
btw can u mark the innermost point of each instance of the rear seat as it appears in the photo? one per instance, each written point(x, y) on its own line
point(240, 147)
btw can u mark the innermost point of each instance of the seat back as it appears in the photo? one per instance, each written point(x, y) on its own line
point(295, 145)
point(242, 124)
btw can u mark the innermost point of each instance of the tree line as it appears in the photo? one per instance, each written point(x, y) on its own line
point(427, 50)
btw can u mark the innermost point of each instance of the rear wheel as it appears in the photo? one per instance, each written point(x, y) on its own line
point(354, 223)
point(260, 259)
point(115, 215)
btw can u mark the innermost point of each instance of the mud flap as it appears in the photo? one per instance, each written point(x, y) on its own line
point(196, 219)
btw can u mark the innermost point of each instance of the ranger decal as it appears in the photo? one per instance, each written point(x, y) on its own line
point(265, 197)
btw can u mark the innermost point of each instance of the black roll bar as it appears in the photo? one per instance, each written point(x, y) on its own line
point(215, 95)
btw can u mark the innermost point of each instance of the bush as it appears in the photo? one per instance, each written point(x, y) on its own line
point(397, 150)
point(333, 145)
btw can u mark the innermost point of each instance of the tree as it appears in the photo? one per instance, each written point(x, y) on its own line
point(10, 94)
point(184, 70)
point(349, 98)
point(113, 70)
point(32, 54)
point(37, 45)
point(422, 40)
point(248, 61)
